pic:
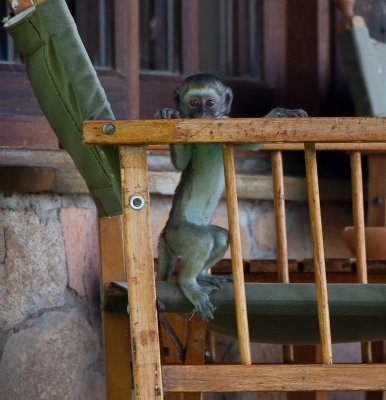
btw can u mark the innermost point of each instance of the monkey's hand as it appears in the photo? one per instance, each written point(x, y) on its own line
point(280, 112)
point(167, 113)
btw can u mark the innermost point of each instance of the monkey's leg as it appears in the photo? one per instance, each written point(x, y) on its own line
point(166, 259)
point(195, 244)
point(221, 243)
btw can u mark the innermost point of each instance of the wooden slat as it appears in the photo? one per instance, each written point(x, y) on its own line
point(27, 132)
point(358, 216)
point(292, 130)
point(116, 336)
point(371, 147)
point(140, 276)
point(359, 232)
point(195, 349)
point(280, 377)
point(281, 233)
point(318, 251)
point(280, 222)
point(236, 254)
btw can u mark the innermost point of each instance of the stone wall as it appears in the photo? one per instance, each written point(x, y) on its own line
point(50, 341)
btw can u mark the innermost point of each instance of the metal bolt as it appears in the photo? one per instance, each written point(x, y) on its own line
point(377, 201)
point(108, 129)
point(137, 202)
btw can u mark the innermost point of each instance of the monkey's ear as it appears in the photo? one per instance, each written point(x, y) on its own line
point(177, 98)
point(228, 100)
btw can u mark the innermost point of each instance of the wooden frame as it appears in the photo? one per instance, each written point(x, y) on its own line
point(242, 377)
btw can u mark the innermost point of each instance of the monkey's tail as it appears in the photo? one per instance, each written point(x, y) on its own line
point(166, 260)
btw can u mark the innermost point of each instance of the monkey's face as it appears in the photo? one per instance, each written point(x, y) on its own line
point(203, 100)
point(199, 103)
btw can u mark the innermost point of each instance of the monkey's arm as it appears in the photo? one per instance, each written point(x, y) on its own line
point(278, 112)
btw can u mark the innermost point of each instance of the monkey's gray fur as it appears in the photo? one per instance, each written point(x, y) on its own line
point(188, 232)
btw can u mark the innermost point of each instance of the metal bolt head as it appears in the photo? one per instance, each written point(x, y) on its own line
point(137, 202)
point(377, 201)
point(108, 129)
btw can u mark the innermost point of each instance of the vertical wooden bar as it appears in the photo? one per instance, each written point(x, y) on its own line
point(359, 231)
point(358, 216)
point(140, 274)
point(236, 254)
point(116, 336)
point(318, 250)
point(281, 233)
point(195, 349)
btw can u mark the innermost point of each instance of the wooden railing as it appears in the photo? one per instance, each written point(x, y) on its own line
point(349, 134)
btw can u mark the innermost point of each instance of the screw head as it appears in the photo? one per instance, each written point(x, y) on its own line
point(108, 129)
point(137, 202)
point(377, 201)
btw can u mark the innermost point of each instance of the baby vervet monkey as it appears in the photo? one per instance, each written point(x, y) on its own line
point(188, 233)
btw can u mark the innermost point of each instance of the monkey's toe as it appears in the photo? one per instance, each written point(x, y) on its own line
point(211, 279)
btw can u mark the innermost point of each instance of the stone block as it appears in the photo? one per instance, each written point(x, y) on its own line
point(33, 271)
point(80, 233)
point(49, 359)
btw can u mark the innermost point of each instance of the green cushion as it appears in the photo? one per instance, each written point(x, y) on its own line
point(287, 313)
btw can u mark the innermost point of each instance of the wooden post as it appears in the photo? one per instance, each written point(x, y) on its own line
point(116, 335)
point(318, 250)
point(281, 233)
point(359, 232)
point(236, 254)
point(140, 274)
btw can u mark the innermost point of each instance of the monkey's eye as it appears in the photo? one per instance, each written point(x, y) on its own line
point(210, 103)
point(193, 103)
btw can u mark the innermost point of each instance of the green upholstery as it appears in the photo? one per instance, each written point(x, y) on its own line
point(287, 313)
point(69, 92)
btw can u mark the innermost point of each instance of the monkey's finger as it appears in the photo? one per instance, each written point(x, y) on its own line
point(300, 113)
point(176, 115)
point(167, 113)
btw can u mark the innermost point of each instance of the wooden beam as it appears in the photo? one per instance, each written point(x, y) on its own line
point(240, 130)
point(274, 378)
point(140, 274)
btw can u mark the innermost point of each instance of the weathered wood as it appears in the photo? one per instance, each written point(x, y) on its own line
point(257, 378)
point(280, 220)
point(195, 348)
point(281, 233)
point(358, 215)
point(116, 336)
point(236, 254)
point(371, 147)
point(140, 276)
point(246, 130)
point(359, 226)
point(27, 132)
point(376, 190)
point(318, 251)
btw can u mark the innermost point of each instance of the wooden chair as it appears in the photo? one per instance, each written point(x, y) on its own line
point(361, 307)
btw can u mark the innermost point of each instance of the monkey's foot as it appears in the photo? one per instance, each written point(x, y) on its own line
point(199, 297)
point(215, 280)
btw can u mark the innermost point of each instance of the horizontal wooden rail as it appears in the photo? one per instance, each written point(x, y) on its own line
point(273, 378)
point(240, 130)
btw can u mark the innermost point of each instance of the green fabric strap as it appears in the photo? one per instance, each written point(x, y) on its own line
point(69, 92)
